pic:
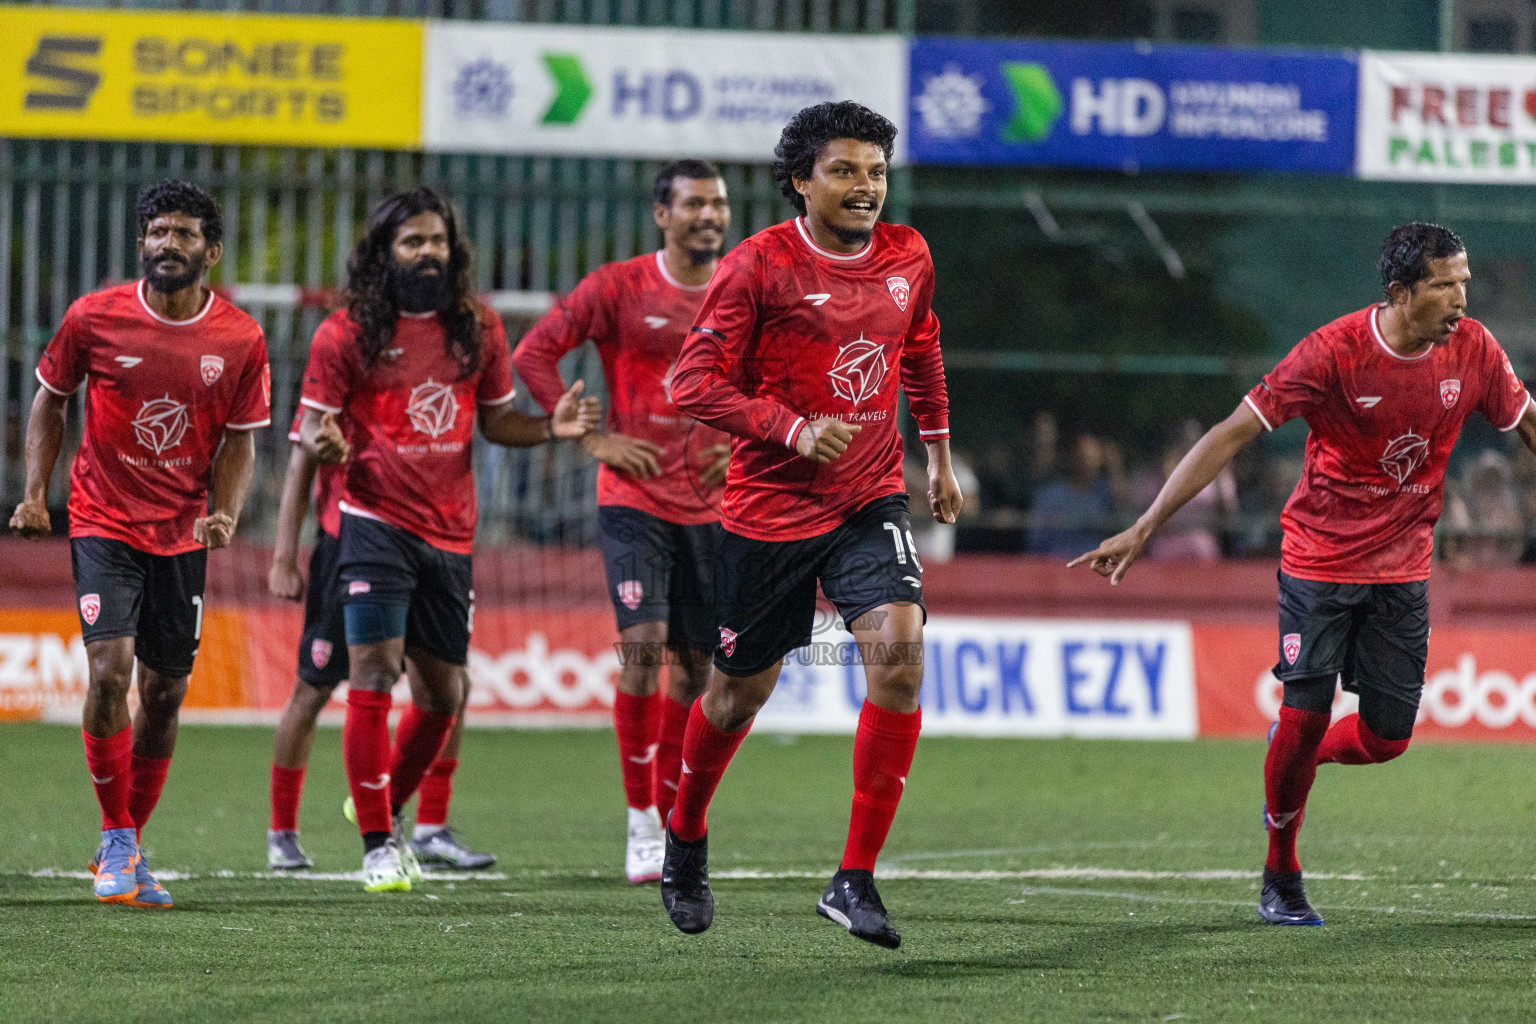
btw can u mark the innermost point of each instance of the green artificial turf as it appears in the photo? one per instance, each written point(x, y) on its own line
point(1025, 877)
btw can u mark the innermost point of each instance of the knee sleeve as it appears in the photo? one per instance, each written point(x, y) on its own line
point(1386, 720)
point(374, 622)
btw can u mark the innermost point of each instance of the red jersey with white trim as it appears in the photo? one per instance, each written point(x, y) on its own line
point(638, 314)
point(328, 484)
point(159, 396)
point(1383, 426)
point(411, 422)
point(789, 332)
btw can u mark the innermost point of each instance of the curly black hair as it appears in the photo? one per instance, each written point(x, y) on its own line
point(172, 196)
point(370, 300)
point(1406, 253)
point(809, 131)
point(692, 170)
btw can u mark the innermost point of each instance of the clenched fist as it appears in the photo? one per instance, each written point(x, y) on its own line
point(30, 520)
point(824, 439)
point(214, 531)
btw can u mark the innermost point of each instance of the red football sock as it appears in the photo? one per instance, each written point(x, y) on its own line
point(706, 752)
point(110, 762)
point(287, 787)
point(882, 755)
point(669, 755)
point(419, 738)
point(148, 780)
point(1350, 741)
point(1289, 770)
point(634, 721)
point(436, 790)
point(365, 751)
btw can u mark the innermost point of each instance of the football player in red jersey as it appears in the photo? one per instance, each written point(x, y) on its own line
point(658, 486)
point(806, 330)
point(1385, 391)
point(412, 363)
point(323, 663)
point(176, 380)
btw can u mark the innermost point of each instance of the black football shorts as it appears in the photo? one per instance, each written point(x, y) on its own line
point(323, 644)
point(385, 565)
point(659, 571)
point(1374, 635)
point(768, 588)
point(157, 599)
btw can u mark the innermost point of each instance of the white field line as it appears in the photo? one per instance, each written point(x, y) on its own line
point(1005, 851)
point(302, 876)
point(1137, 897)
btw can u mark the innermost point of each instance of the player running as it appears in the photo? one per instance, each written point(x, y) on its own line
point(805, 332)
point(176, 379)
point(658, 486)
point(323, 663)
point(411, 364)
point(1385, 391)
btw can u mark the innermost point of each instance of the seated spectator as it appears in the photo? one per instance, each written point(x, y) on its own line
point(1483, 526)
point(1076, 510)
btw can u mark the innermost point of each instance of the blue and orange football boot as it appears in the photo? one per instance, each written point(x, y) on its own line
point(116, 866)
point(151, 894)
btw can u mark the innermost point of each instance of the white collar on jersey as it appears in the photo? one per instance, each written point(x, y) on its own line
point(419, 316)
point(1376, 331)
point(166, 320)
point(805, 235)
point(661, 265)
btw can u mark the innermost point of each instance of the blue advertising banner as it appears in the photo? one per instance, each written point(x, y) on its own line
point(1131, 106)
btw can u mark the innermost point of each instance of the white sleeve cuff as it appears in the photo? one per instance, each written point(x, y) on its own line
point(503, 400)
point(794, 431)
point(1257, 412)
point(50, 387)
point(1518, 416)
point(311, 403)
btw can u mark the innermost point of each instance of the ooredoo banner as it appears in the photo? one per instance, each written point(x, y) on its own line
point(1447, 117)
point(1131, 106)
point(644, 92)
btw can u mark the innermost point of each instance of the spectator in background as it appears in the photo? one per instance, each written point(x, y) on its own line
point(1194, 531)
point(1072, 511)
point(1483, 525)
point(936, 540)
point(1012, 469)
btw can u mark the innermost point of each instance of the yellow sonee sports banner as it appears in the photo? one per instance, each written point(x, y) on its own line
point(268, 80)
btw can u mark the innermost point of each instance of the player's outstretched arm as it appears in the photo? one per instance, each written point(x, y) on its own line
point(45, 436)
point(283, 579)
point(1191, 476)
point(232, 473)
point(944, 496)
point(573, 417)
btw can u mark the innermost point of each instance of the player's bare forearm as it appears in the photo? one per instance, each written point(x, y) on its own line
point(322, 438)
point(944, 498)
point(1201, 465)
point(232, 473)
point(573, 417)
point(297, 483)
point(1526, 427)
point(45, 436)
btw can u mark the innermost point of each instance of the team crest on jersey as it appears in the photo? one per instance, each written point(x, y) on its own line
point(1404, 455)
point(433, 409)
point(320, 652)
point(900, 291)
point(212, 368)
point(1290, 645)
point(859, 370)
point(90, 608)
point(727, 641)
point(631, 592)
point(1450, 390)
point(161, 424)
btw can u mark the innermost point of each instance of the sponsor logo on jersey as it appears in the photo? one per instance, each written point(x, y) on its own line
point(161, 424)
point(818, 298)
point(433, 408)
point(90, 608)
point(320, 652)
point(1404, 455)
point(1290, 644)
point(728, 645)
point(1450, 390)
point(656, 323)
point(859, 370)
point(358, 587)
point(1369, 401)
point(631, 593)
point(128, 362)
point(212, 368)
point(900, 291)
